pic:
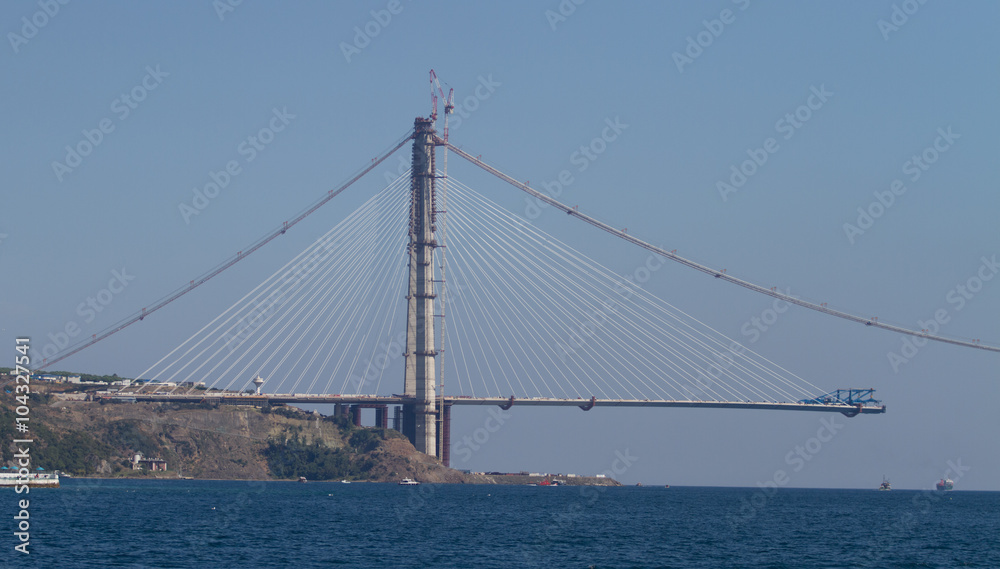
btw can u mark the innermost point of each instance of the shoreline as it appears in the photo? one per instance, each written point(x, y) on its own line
point(474, 479)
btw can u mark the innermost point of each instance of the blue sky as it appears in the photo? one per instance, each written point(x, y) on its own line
point(209, 81)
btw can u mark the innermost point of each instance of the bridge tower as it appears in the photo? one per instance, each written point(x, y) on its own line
point(420, 416)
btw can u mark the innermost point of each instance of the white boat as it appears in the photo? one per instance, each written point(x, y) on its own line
point(35, 480)
point(345, 481)
point(408, 482)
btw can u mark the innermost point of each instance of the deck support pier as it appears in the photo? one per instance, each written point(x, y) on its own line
point(444, 433)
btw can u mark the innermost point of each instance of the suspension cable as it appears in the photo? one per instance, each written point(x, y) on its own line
point(708, 270)
point(137, 316)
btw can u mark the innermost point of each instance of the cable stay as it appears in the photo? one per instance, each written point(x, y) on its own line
point(531, 319)
point(535, 320)
point(205, 277)
point(719, 274)
point(327, 321)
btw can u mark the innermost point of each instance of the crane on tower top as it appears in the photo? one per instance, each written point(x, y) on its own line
point(449, 108)
point(449, 102)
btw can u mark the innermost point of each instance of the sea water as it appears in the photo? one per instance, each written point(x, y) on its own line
point(208, 524)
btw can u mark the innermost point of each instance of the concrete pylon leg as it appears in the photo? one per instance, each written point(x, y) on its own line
point(419, 421)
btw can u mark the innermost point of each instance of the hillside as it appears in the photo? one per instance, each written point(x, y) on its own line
point(93, 439)
point(86, 438)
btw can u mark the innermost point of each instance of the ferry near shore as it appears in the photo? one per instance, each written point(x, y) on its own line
point(38, 479)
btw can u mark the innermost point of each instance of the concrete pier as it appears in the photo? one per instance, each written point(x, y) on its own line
point(419, 417)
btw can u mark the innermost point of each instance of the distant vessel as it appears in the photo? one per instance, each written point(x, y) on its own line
point(345, 481)
point(945, 484)
point(302, 479)
point(885, 484)
point(408, 482)
point(36, 480)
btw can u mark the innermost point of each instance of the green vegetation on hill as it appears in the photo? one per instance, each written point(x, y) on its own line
point(128, 436)
point(76, 452)
point(293, 458)
point(91, 438)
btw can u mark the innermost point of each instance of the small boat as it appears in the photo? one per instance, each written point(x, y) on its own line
point(885, 486)
point(40, 479)
point(302, 479)
point(408, 482)
point(345, 481)
point(945, 484)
